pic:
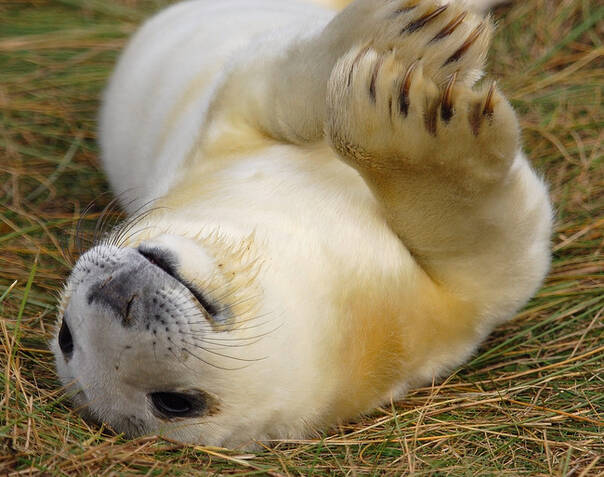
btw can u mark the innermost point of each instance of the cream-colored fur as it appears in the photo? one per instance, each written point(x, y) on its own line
point(356, 211)
point(479, 6)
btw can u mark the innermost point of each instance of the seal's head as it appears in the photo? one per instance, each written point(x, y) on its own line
point(164, 338)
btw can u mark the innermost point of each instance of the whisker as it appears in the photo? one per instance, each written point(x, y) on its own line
point(223, 355)
point(182, 363)
point(258, 325)
point(230, 305)
point(236, 339)
point(213, 365)
point(78, 236)
point(221, 345)
point(102, 219)
point(138, 216)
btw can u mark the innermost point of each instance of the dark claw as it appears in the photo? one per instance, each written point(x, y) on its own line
point(466, 44)
point(423, 20)
point(450, 27)
point(407, 8)
point(403, 99)
point(488, 104)
point(446, 111)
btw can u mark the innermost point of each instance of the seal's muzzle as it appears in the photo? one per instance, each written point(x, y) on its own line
point(122, 286)
point(128, 284)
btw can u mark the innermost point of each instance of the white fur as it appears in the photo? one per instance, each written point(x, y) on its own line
point(222, 114)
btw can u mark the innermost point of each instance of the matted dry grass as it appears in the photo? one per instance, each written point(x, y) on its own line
point(530, 402)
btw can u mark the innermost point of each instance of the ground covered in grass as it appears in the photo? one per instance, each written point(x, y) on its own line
point(531, 402)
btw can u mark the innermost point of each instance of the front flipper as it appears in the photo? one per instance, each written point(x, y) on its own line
point(441, 156)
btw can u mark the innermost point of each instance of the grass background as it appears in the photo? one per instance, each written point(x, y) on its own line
point(531, 402)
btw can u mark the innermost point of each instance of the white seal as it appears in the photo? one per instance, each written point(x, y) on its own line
point(326, 210)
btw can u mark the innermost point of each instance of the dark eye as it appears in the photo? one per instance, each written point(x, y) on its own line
point(65, 340)
point(179, 404)
point(171, 404)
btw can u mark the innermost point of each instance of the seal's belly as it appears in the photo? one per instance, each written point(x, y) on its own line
point(156, 101)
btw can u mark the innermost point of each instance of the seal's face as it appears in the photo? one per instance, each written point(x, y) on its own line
point(149, 336)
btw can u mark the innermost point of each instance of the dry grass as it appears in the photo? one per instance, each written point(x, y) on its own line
point(531, 401)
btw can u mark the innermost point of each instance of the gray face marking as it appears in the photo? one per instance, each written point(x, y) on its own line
point(146, 299)
point(132, 288)
point(122, 293)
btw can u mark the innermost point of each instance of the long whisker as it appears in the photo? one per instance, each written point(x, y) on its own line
point(221, 345)
point(214, 340)
point(102, 218)
point(139, 215)
point(78, 236)
point(223, 355)
point(213, 365)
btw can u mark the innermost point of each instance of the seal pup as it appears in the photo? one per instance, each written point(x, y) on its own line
point(326, 209)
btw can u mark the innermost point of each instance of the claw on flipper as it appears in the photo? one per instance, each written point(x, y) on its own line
point(403, 99)
point(446, 112)
point(407, 7)
point(449, 27)
point(466, 44)
point(488, 104)
point(423, 20)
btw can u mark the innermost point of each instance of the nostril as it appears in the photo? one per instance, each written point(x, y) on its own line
point(127, 320)
point(65, 340)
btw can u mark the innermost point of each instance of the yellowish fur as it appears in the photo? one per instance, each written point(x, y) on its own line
point(335, 4)
point(332, 213)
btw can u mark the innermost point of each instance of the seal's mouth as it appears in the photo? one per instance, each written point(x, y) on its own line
point(166, 262)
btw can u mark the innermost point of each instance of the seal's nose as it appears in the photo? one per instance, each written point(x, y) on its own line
point(120, 291)
point(126, 286)
point(128, 283)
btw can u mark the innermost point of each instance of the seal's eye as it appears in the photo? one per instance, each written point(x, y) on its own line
point(192, 403)
point(65, 340)
point(172, 404)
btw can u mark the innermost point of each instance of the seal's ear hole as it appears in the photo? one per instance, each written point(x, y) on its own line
point(65, 340)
